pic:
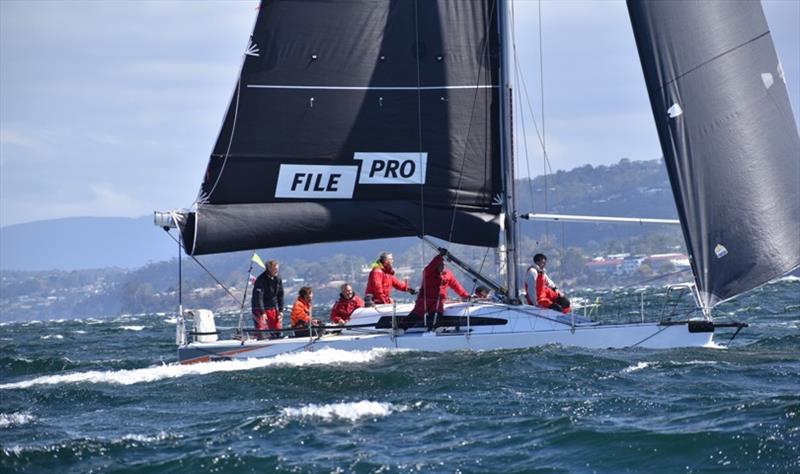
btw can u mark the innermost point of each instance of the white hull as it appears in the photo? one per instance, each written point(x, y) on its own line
point(526, 327)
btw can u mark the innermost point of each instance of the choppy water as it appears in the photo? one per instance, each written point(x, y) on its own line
point(106, 395)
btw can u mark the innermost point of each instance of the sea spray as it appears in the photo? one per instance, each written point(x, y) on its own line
point(325, 356)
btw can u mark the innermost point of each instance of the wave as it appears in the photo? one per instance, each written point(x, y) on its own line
point(694, 362)
point(153, 374)
point(132, 328)
point(15, 419)
point(52, 336)
point(634, 368)
point(99, 444)
point(160, 436)
point(787, 278)
point(346, 411)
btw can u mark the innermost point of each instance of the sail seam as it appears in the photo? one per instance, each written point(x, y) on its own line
point(369, 88)
point(724, 53)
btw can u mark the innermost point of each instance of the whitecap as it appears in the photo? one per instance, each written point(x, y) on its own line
point(160, 436)
point(787, 278)
point(324, 356)
point(694, 362)
point(132, 328)
point(634, 368)
point(52, 336)
point(15, 419)
point(79, 332)
point(15, 450)
point(171, 320)
point(346, 411)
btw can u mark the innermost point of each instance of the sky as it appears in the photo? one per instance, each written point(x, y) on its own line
point(111, 108)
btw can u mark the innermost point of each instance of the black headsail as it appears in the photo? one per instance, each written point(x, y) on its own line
point(358, 119)
point(728, 136)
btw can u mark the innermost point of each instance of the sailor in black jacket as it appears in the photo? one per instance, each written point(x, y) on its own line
point(268, 299)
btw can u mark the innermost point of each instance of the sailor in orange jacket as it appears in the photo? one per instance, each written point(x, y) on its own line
point(301, 311)
point(382, 280)
point(435, 282)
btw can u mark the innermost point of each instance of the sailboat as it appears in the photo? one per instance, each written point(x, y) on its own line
point(367, 119)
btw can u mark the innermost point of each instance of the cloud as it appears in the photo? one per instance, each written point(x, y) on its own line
point(16, 138)
point(111, 108)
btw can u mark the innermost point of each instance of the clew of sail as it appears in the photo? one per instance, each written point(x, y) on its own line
point(728, 136)
point(358, 120)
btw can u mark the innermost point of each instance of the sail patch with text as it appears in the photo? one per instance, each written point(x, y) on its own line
point(338, 182)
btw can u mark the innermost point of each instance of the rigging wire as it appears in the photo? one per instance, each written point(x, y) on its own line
point(244, 295)
point(222, 285)
point(419, 132)
point(201, 196)
point(205, 196)
point(481, 70)
point(541, 98)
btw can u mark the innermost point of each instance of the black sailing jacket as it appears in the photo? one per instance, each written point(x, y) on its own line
point(267, 292)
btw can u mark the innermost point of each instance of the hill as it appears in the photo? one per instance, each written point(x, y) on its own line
point(629, 188)
point(80, 243)
point(83, 242)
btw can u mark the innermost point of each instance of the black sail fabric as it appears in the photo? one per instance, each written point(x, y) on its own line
point(729, 138)
point(358, 119)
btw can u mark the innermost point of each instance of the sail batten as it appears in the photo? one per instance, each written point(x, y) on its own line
point(729, 139)
point(349, 114)
point(369, 88)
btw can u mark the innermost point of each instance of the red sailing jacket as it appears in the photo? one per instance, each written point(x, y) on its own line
point(546, 296)
point(434, 288)
point(341, 311)
point(380, 283)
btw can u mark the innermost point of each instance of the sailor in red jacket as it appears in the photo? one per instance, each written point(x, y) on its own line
point(382, 279)
point(433, 293)
point(546, 294)
point(348, 302)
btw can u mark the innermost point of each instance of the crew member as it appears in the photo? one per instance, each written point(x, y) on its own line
point(436, 280)
point(540, 289)
point(382, 280)
point(267, 301)
point(344, 307)
point(301, 312)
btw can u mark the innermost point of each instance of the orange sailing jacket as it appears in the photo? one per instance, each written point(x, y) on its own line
point(301, 313)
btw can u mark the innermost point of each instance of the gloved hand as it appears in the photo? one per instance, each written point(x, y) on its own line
point(412, 291)
point(442, 251)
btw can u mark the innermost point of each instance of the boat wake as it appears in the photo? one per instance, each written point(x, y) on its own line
point(324, 356)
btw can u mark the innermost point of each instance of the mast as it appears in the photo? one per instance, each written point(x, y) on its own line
point(507, 153)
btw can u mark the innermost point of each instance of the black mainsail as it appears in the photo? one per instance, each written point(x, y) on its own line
point(728, 136)
point(358, 120)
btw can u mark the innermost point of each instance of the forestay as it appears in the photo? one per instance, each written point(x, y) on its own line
point(729, 138)
point(358, 120)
